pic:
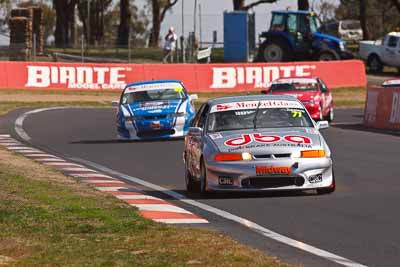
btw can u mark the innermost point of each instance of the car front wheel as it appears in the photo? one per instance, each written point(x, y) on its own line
point(203, 178)
point(328, 190)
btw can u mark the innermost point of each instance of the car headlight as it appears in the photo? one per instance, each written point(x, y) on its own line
point(342, 46)
point(233, 156)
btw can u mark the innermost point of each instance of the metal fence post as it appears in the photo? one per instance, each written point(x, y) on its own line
point(82, 47)
point(34, 47)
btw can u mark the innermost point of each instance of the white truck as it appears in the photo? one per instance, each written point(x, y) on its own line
point(381, 53)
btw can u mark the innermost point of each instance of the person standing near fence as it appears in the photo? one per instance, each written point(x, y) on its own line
point(169, 45)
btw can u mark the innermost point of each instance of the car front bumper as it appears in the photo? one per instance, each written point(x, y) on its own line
point(305, 174)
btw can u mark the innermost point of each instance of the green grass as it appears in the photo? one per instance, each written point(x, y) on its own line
point(47, 219)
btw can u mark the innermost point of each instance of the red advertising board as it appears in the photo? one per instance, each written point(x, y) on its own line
point(196, 77)
point(382, 109)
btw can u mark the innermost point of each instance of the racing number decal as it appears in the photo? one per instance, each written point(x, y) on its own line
point(246, 139)
point(239, 141)
point(297, 114)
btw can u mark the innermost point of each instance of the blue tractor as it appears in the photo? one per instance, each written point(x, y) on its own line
point(293, 35)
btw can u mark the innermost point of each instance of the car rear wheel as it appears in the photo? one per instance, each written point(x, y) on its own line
point(375, 64)
point(327, 56)
point(191, 184)
point(328, 190)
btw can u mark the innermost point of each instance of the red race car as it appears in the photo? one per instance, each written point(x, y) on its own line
point(312, 92)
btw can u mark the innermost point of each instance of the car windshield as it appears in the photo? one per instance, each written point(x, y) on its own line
point(258, 118)
point(278, 87)
point(351, 25)
point(153, 95)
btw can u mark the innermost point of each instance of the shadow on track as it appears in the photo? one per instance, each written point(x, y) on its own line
point(232, 195)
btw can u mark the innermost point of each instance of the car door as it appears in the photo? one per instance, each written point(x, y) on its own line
point(391, 51)
point(194, 144)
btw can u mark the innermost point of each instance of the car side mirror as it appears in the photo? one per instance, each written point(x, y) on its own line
point(322, 125)
point(115, 103)
point(195, 131)
point(193, 97)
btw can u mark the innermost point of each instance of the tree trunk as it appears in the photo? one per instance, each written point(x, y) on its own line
point(156, 25)
point(59, 34)
point(363, 19)
point(238, 4)
point(123, 28)
point(303, 5)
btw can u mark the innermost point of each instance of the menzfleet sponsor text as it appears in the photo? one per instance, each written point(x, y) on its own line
point(77, 77)
point(260, 77)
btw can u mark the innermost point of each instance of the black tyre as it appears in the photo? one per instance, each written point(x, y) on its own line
point(275, 51)
point(330, 115)
point(327, 56)
point(203, 178)
point(191, 184)
point(328, 190)
point(375, 64)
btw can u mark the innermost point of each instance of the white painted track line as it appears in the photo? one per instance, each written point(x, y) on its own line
point(124, 197)
point(181, 221)
point(112, 188)
point(103, 181)
point(160, 207)
point(89, 175)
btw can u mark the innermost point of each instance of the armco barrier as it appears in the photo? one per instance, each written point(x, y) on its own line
point(382, 108)
point(196, 77)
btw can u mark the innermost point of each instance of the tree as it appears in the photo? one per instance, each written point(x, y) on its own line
point(91, 13)
point(65, 16)
point(363, 18)
point(241, 5)
point(158, 8)
point(125, 18)
point(303, 5)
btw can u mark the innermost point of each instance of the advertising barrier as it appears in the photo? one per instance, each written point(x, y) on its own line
point(196, 77)
point(382, 108)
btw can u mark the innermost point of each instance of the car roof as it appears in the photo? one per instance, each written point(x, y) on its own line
point(292, 12)
point(228, 99)
point(153, 82)
point(397, 34)
point(297, 79)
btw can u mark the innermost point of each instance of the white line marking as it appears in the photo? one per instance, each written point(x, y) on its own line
point(20, 121)
point(50, 160)
point(103, 182)
point(5, 136)
point(135, 197)
point(251, 225)
point(18, 148)
point(184, 221)
point(160, 207)
point(112, 189)
point(40, 155)
point(10, 144)
point(89, 175)
point(62, 164)
point(77, 169)
point(27, 151)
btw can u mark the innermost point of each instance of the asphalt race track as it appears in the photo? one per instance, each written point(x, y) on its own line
point(360, 221)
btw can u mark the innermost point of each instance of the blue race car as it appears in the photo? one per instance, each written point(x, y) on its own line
point(154, 110)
